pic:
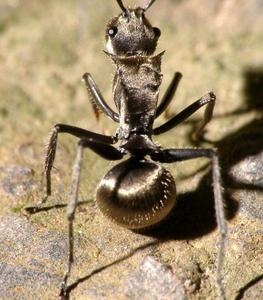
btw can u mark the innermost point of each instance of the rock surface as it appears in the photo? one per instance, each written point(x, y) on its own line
point(153, 280)
point(16, 181)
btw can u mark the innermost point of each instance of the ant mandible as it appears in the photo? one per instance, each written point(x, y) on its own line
point(138, 192)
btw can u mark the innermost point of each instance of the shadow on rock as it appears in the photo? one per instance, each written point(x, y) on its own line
point(194, 214)
point(70, 288)
point(241, 152)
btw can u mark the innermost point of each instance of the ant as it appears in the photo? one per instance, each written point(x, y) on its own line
point(138, 192)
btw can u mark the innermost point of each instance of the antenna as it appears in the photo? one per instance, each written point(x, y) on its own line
point(123, 8)
point(148, 5)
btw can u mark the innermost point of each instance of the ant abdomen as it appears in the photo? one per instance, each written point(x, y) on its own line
point(136, 194)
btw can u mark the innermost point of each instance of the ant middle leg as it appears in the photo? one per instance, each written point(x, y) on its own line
point(209, 100)
point(51, 150)
point(174, 155)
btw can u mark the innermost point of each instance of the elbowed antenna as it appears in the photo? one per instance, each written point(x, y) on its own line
point(123, 8)
point(148, 5)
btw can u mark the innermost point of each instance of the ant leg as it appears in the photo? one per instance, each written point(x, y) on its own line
point(208, 114)
point(174, 155)
point(51, 151)
point(169, 94)
point(71, 208)
point(208, 99)
point(105, 151)
point(97, 98)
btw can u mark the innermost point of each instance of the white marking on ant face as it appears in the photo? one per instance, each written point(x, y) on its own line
point(109, 47)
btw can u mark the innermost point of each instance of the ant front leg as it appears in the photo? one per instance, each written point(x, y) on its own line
point(169, 94)
point(174, 155)
point(209, 100)
point(97, 99)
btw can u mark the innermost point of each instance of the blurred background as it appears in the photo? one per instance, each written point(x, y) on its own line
point(46, 47)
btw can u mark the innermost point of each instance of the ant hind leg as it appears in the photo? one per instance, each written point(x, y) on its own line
point(105, 151)
point(174, 155)
point(71, 208)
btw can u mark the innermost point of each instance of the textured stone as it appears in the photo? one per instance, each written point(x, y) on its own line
point(30, 259)
point(18, 278)
point(247, 173)
point(154, 280)
point(16, 180)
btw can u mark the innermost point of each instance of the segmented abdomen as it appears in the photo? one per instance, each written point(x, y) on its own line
point(136, 194)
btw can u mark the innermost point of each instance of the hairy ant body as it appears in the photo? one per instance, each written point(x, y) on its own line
point(136, 193)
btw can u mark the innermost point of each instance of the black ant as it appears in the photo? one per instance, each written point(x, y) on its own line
point(138, 192)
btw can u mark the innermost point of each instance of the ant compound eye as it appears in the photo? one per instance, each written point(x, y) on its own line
point(112, 31)
point(157, 31)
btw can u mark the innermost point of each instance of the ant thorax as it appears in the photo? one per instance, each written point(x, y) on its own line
point(136, 91)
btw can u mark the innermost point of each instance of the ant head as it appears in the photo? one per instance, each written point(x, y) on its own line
point(131, 33)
